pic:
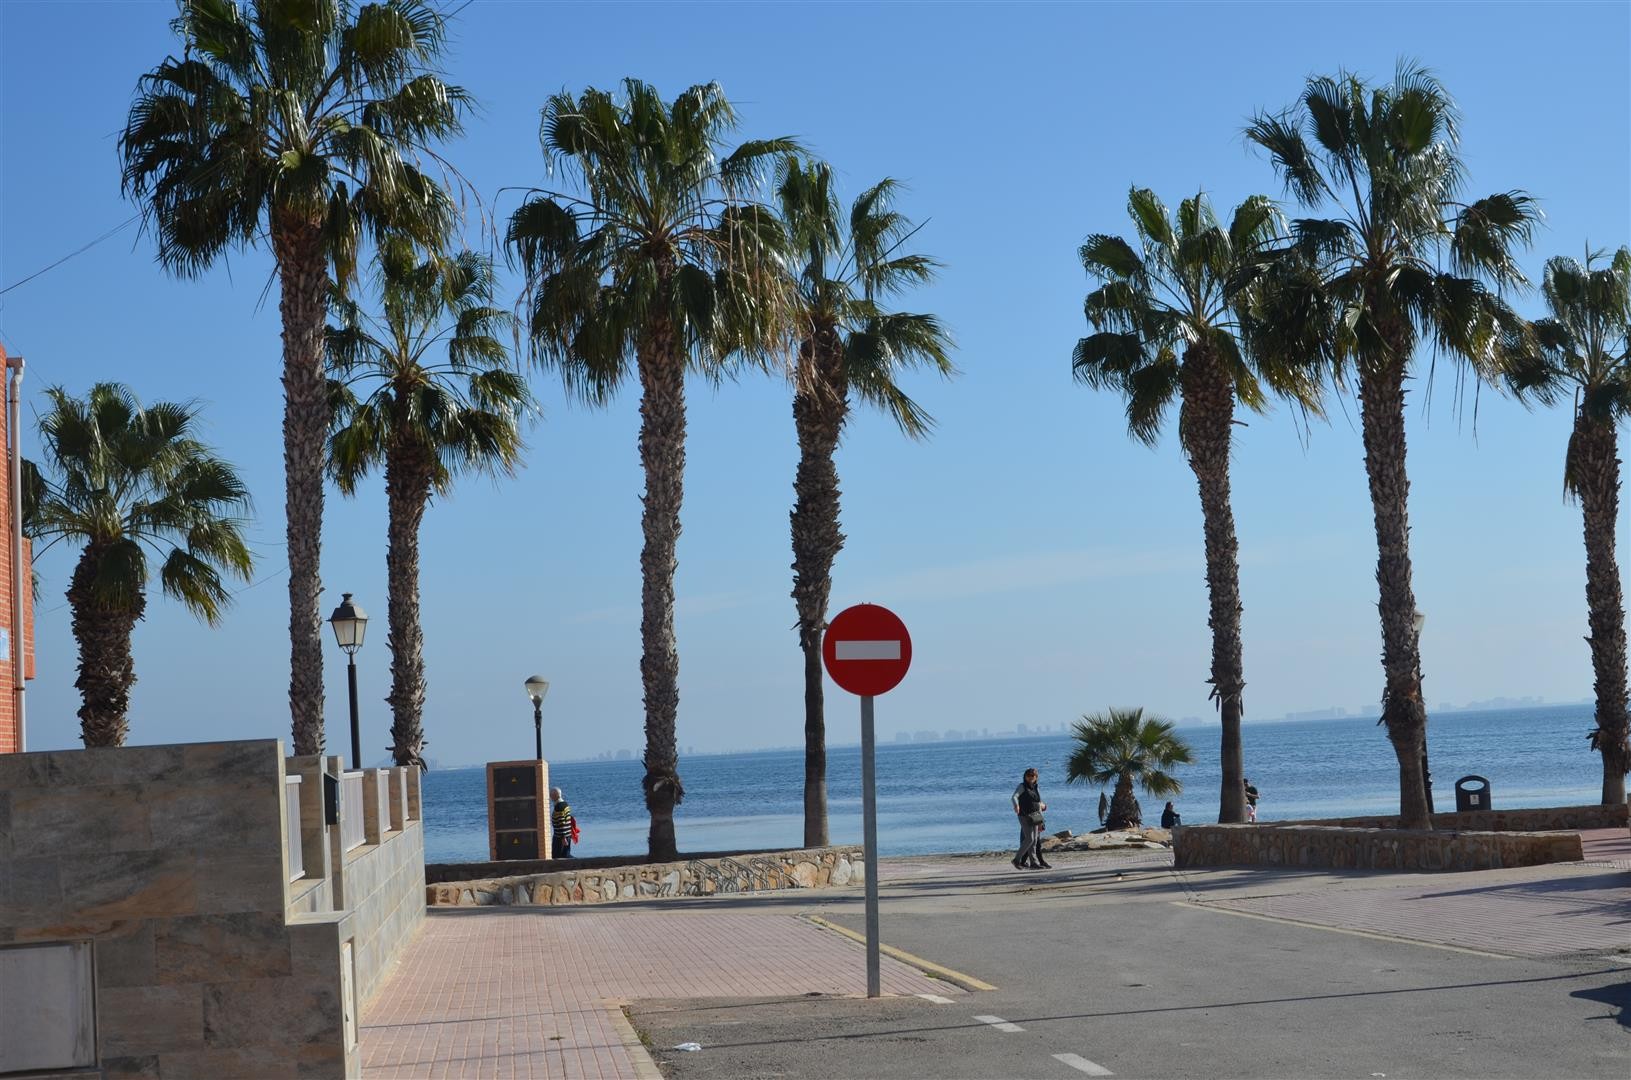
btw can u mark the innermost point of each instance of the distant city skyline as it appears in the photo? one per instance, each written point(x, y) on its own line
point(1046, 565)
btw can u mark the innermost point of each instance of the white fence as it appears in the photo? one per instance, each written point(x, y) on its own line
point(291, 824)
point(352, 830)
point(382, 787)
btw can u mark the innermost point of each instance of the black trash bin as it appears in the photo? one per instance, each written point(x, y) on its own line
point(1471, 793)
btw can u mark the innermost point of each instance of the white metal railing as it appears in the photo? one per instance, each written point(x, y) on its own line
point(382, 793)
point(352, 831)
point(291, 822)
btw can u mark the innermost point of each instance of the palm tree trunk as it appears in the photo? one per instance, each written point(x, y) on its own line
point(106, 667)
point(1595, 466)
point(407, 491)
point(662, 455)
point(1206, 426)
point(1121, 803)
point(303, 274)
point(819, 406)
point(1381, 404)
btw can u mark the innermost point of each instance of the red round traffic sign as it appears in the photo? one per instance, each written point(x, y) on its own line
point(867, 650)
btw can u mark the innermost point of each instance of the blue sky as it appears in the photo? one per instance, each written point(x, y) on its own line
point(1045, 564)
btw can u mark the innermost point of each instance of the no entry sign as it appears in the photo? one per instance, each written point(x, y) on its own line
point(867, 650)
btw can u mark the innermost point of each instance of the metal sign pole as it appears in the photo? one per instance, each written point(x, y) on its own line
point(869, 820)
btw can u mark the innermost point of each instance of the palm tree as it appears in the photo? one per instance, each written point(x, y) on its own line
point(1584, 349)
point(125, 481)
point(1370, 287)
point(1121, 746)
point(846, 341)
point(425, 418)
point(1166, 328)
point(661, 263)
point(300, 122)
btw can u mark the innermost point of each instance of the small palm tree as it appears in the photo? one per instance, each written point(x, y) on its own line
point(424, 419)
point(1371, 284)
point(126, 481)
point(1583, 350)
point(664, 266)
point(1167, 328)
point(1121, 746)
point(847, 341)
point(301, 124)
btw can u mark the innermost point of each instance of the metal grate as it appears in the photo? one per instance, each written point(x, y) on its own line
point(353, 834)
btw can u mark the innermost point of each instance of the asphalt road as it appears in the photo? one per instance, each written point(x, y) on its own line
point(1125, 977)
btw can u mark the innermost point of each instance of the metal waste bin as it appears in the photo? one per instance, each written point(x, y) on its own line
point(1471, 793)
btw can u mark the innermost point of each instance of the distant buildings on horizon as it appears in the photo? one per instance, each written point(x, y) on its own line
point(1031, 731)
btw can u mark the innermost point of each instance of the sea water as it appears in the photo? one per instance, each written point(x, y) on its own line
point(953, 796)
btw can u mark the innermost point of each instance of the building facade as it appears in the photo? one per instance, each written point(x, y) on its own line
point(16, 649)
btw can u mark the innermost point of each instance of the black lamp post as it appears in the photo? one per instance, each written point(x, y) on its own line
point(350, 623)
point(537, 687)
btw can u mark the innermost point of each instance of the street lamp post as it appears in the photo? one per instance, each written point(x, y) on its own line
point(1426, 777)
point(350, 623)
point(537, 687)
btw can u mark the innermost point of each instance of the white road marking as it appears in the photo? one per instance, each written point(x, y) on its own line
point(999, 1023)
point(936, 998)
point(866, 650)
point(1081, 1064)
point(1621, 957)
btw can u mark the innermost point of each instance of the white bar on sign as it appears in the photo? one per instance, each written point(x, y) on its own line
point(867, 650)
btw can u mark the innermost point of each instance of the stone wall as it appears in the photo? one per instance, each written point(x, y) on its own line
point(1331, 847)
point(1536, 819)
point(215, 953)
point(816, 868)
point(170, 861)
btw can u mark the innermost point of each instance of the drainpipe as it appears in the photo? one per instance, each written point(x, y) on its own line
point(14, 453)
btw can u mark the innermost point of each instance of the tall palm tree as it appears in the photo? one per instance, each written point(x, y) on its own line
point(1166, 328)
point(439, 398)
point(661, 263)
point(1122, 746)
point(131, 483)
point(300, 122)
point(1372, 285)
point(847, 341)
point(1584, 350)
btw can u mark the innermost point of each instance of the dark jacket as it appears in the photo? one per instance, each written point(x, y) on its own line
point(1030, 799)
point(1170, 818)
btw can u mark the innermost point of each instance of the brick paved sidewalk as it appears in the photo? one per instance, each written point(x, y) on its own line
point(523, 993)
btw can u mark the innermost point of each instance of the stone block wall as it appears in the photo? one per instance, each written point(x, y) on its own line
point(170, 861)
point(1332, 847)
point(173, 863)
point(1535, 819)
point(816, 868)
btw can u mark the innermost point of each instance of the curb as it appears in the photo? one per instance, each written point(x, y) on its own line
point(928, 967)
point(644, 1067)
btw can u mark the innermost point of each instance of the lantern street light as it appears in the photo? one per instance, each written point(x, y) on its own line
point(350, 623)
point(537, 687)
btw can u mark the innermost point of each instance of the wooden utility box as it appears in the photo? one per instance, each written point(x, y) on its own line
point(518, 810)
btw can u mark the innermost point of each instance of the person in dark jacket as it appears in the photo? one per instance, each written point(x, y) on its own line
point(563, 826)
point(1170, 819)
point(1028, 804)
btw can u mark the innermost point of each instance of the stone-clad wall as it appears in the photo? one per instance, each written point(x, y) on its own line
point(170, 861)
point(173, 863)
point(1538, 819)
point(815, 868)
point(1330, 847)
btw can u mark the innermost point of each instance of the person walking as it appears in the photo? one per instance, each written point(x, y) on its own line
point(1028, 804)
point(564, 827)
point(1104, 808)
point(1251, 799)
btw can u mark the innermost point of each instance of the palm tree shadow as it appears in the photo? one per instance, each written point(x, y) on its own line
point(1618, 994)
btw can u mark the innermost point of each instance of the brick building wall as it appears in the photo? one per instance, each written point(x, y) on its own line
point(9, 735)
